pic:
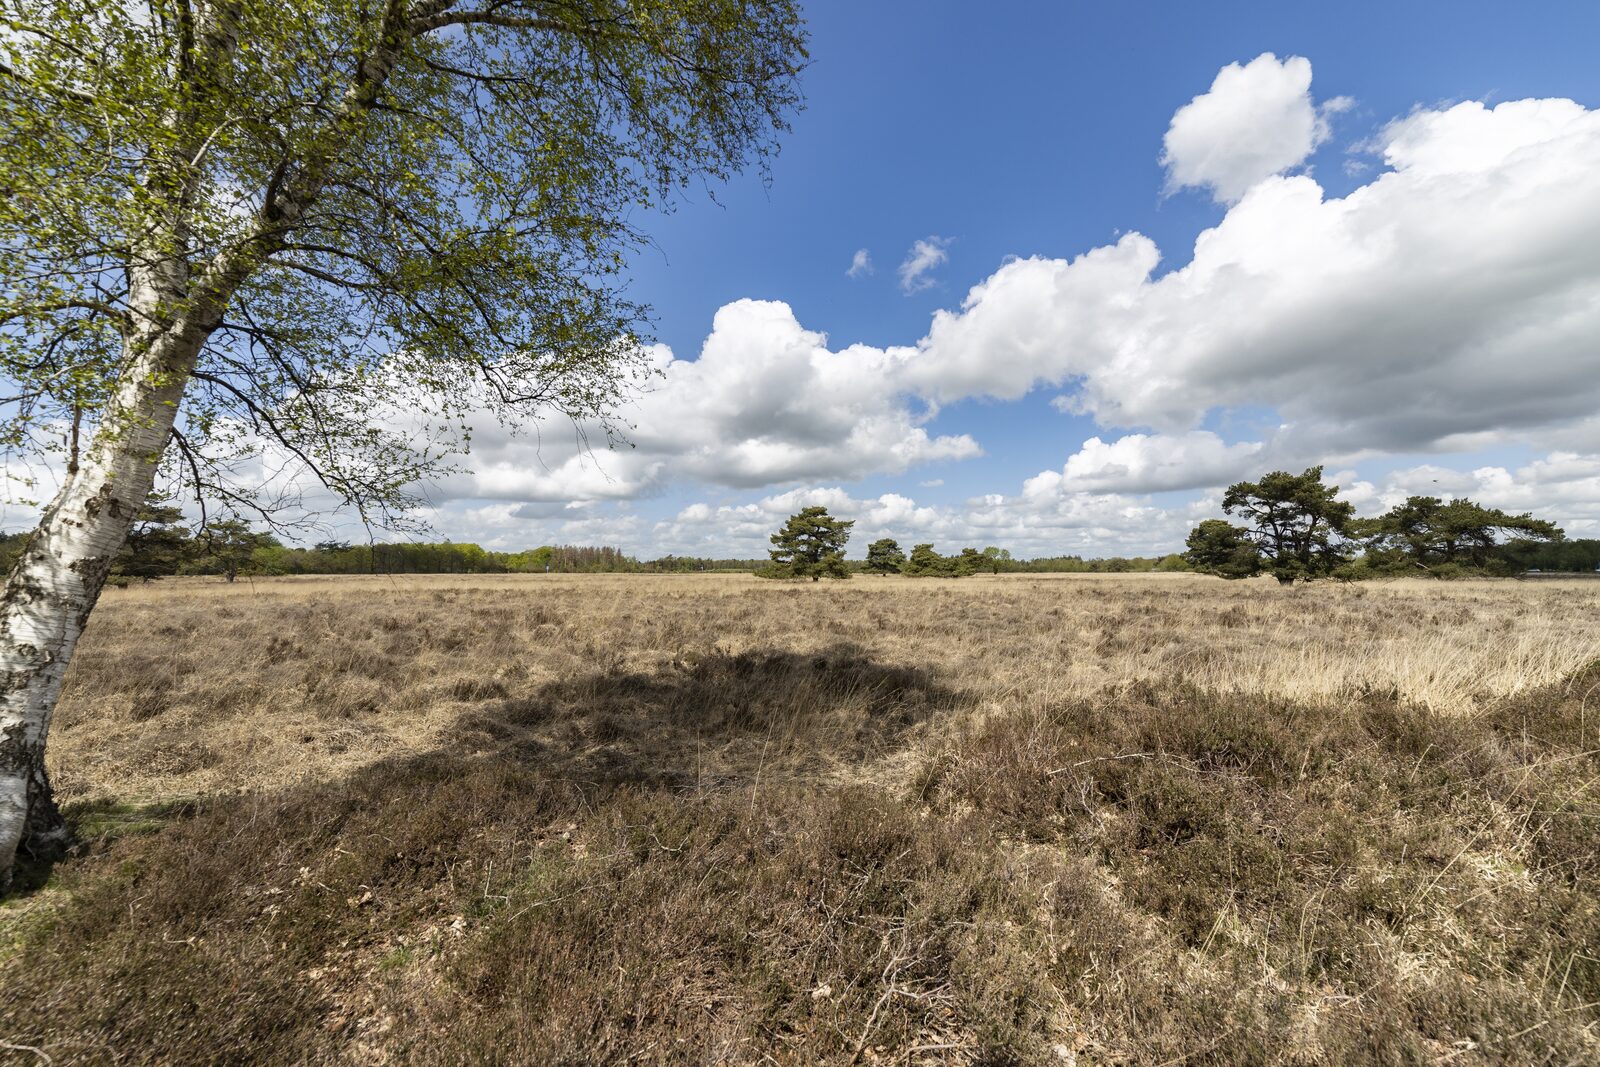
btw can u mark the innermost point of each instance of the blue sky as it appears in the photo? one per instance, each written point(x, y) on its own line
point(1388, 132)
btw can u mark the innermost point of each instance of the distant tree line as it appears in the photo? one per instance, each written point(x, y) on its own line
point(451, 557)
point(811, 545)
point(1296, 528)
point(1579, 554)
point(1175, 561)
point(162, 543)
point(885, 557)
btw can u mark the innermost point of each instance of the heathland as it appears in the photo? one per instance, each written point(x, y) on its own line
point(626, 818)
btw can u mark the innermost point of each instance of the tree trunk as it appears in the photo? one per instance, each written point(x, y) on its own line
point(59, 575)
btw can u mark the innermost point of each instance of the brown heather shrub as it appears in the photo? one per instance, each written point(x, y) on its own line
point(694, 820)
point(1316, 857)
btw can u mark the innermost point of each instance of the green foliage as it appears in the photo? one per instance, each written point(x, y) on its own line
point(1433, 536)
point(1295, 521)
point(365, 211)
point(157, 543)
point(331, 557)
point(968, 563)
point(701, 565)
point(926, 563)
point(227, 547)
point(885, 557)
point(1299, 529)
point(11, 545)
point(810, 545)
point(1219, 547)
point(998, 559)
point(571, 559)
point(1580, 555)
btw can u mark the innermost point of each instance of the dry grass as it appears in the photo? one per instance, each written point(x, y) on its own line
point(709, 819)
point(189, 687)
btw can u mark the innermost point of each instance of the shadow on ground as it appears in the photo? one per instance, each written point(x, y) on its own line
point(714, 720)
point(300, 925)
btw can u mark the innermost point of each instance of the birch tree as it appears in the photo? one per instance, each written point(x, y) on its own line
point(235, 231)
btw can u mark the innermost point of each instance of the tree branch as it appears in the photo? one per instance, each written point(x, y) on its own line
point(428, 24)
point(75, 95)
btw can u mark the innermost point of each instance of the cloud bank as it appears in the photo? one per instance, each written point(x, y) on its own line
point(1450, 303)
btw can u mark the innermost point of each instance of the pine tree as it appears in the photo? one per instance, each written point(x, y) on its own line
point(1426, 532)
point(926, 563)
point(156, 542)
point(1219, 547)
point(970, 562)
point(810, 545)
point(227, 547)
point(1296, 521)
point(884, 556)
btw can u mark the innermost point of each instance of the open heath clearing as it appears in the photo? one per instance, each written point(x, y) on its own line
point(660, 819)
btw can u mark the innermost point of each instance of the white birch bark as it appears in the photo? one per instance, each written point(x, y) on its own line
point(60, 573)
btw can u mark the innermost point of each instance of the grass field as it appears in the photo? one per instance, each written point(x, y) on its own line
point(1016, 819)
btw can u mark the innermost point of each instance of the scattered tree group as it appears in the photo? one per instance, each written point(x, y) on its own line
point(1297, 529)
point(925, 562)
point(811, 545)
point(160, 544)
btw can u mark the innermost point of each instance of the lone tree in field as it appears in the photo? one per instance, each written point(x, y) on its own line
point(1296, 524)
point(323, 235)
point(884, 556)
point(810, 545)
point(228, 547)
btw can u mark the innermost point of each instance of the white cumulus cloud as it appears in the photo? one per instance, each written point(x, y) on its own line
point(1455, 298)
point(1256, 120)
point(766, 402)
point(1146, 463)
